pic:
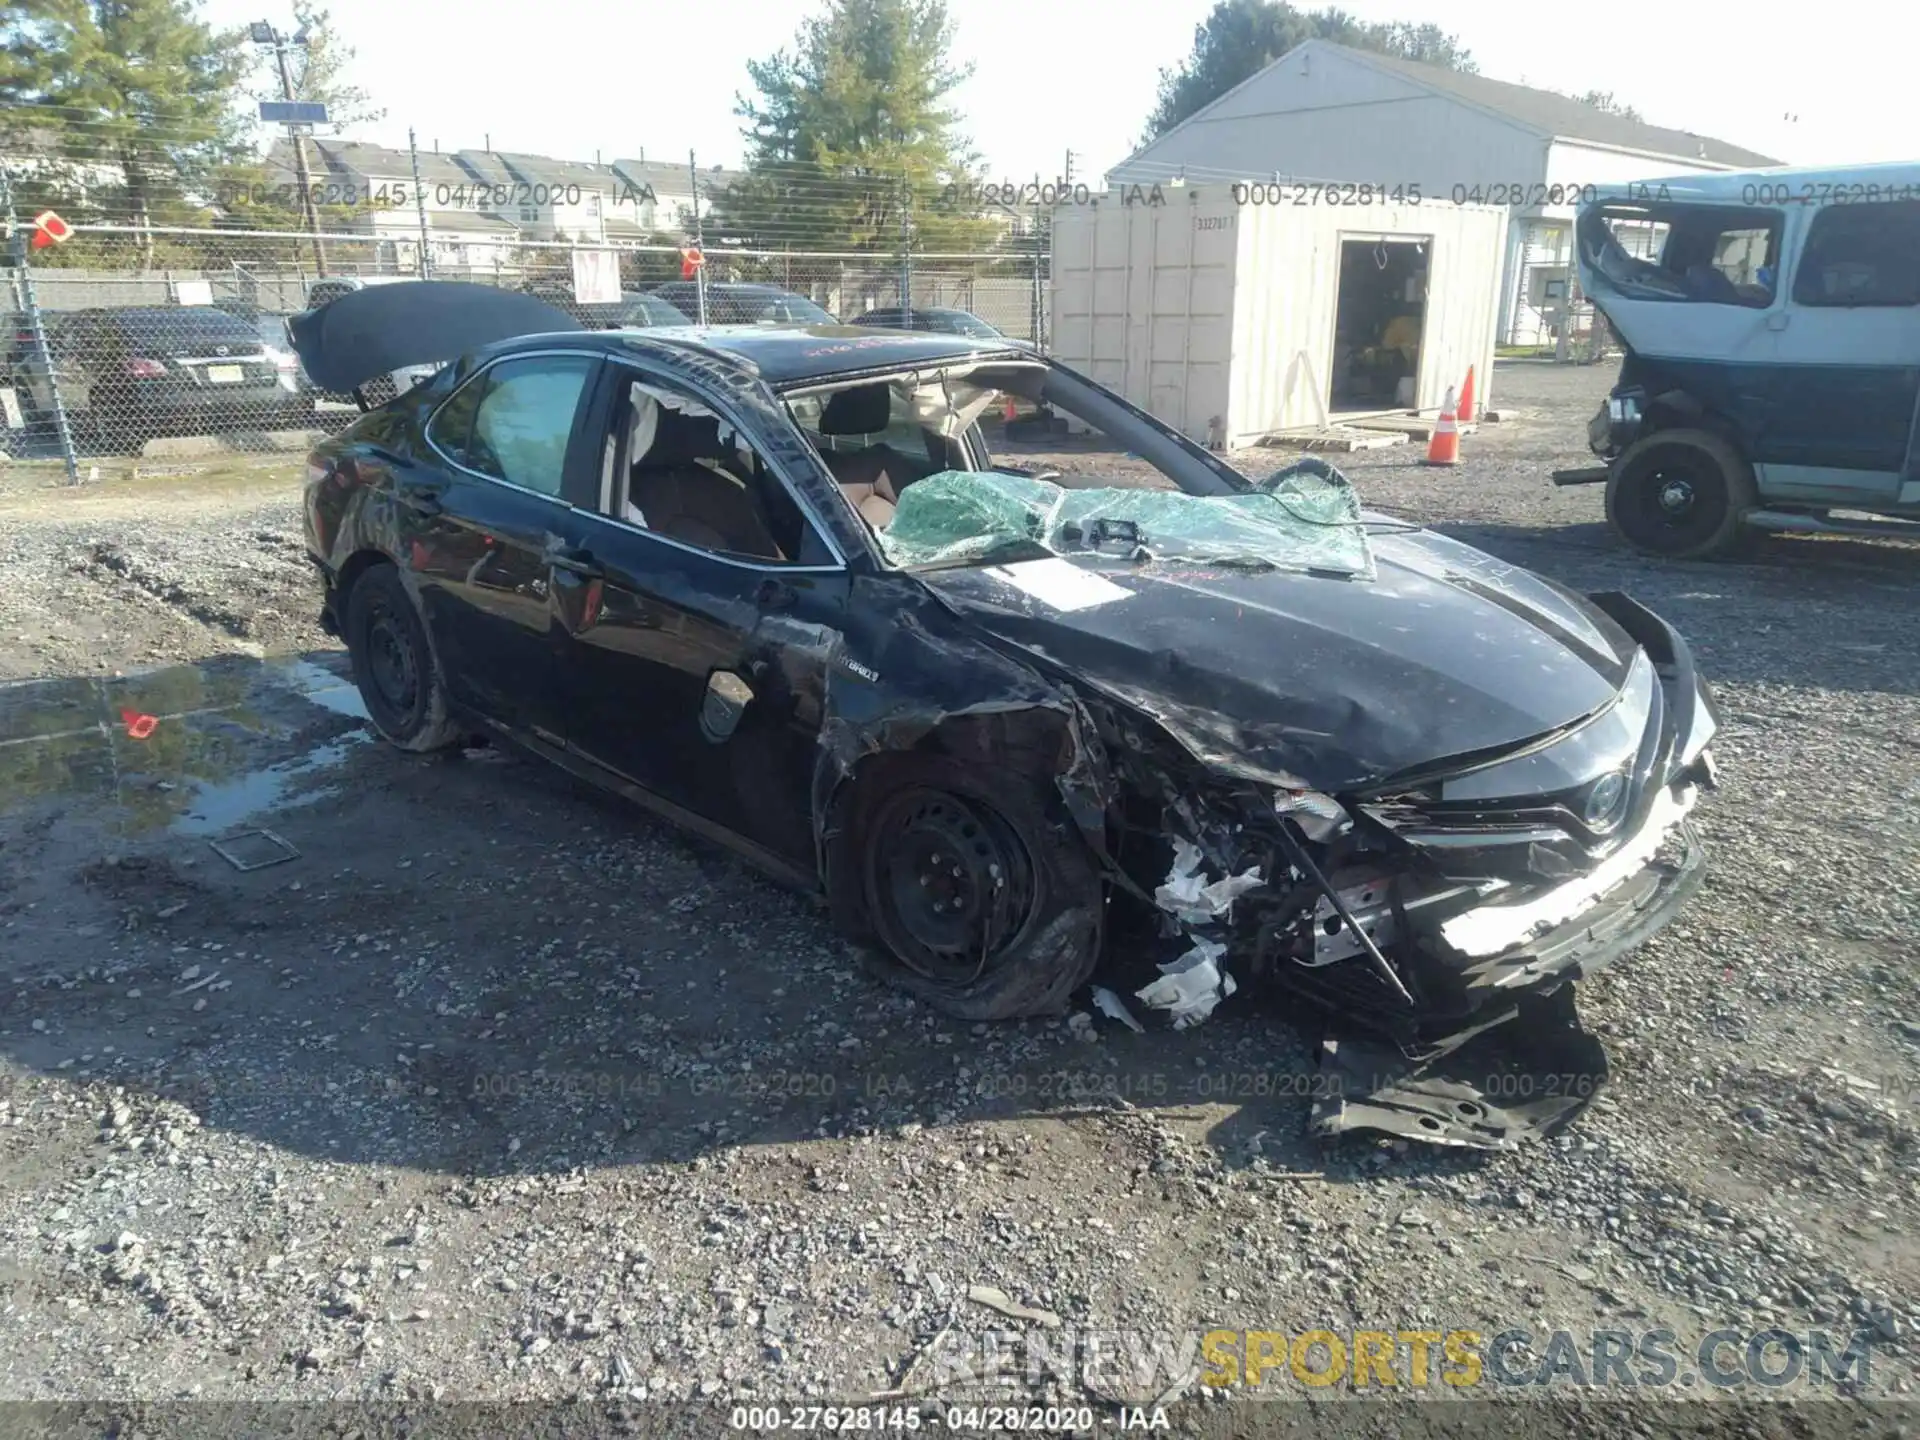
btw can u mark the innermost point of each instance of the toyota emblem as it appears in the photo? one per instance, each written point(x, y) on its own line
point(1605, 801)
point(221, 350)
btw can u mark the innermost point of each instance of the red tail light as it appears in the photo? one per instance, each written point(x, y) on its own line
point(139, 369)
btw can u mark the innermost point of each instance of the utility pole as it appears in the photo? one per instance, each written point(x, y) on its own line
point(906, 247)
point(699, 239)
point(262, 32)
point(420, 207)
point(1069, 175)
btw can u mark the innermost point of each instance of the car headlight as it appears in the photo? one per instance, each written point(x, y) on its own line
point(1583, 757)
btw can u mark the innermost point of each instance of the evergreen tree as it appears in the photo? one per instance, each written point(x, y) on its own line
point(851, 140)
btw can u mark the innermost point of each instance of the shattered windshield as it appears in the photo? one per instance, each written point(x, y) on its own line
point(1300, 521)
point(1006, 461)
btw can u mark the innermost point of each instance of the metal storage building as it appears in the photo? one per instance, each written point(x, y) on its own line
point(1327, 110)
point(1232, 312)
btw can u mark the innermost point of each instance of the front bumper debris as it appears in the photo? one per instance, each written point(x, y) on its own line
point(1440, 936)
point(1518, 1071)
point(1527, 1076)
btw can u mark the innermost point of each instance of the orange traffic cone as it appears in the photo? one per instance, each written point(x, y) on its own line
point(1465, 417)
point(1444, 448)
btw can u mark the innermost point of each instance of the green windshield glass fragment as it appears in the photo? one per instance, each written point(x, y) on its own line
point(1297, 520)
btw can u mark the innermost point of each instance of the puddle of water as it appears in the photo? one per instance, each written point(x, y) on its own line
point(323, 687)
point(67, 737)
point(217, 808)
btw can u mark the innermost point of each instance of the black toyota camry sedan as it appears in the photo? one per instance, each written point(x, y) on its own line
point(1021, 729)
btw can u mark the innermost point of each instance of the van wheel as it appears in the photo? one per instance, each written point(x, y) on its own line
point(972, 887)
point(1681, 495)
point(394, 664)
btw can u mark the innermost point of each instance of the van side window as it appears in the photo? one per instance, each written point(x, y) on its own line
point(1864, 254)
point(1699, 254)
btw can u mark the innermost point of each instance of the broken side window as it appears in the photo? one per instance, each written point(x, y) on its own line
point(1692, 254)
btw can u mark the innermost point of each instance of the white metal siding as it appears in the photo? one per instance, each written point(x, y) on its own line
point(1203, 309)
point(1142, 302)
point(1572, 166)
point(1289, 281)
point(1463, 302)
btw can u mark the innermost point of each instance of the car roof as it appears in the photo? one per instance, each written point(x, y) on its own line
point(1780, 185)
point(782, 355)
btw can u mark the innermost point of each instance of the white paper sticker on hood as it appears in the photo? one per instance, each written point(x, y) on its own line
point(1060, 583)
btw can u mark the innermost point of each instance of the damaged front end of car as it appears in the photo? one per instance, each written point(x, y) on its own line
point(1436, 919)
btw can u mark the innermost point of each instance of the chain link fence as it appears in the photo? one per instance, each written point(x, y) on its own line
point(158, 341)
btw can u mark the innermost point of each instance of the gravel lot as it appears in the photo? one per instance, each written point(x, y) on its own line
point(502, 1091)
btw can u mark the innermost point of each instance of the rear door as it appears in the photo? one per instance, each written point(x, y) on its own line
point(483, 531)
point(1847, 388)
point(705, 609)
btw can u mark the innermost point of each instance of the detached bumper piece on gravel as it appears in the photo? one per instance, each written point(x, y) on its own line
point(1527, 1070)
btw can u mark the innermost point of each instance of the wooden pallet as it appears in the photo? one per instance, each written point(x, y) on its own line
point(1412, 426)
point(1342, 438)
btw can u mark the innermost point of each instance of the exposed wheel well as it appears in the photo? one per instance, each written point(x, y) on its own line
point(1681, 410)
point(1033, 743)
point(357, 565)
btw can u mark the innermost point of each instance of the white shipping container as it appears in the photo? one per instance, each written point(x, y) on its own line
point(1218, 315)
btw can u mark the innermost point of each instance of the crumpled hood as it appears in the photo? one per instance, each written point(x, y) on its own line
point(1294, 678)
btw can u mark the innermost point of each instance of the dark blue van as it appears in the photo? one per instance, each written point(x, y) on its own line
point(1771, 322)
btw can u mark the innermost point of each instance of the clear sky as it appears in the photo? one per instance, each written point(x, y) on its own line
point(569, 77)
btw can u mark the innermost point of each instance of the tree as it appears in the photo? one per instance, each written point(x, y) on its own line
point(1240, 38)
point(135, 95)
point(851, 142)
point(1603, 100)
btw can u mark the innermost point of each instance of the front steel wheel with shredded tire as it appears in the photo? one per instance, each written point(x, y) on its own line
point(971, 887)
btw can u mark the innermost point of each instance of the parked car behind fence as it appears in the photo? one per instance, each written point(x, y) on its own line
point(130, 374)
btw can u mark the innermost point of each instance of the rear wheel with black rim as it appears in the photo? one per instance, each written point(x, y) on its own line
point(394, 665)
point(1680, 494)
point(973, 887)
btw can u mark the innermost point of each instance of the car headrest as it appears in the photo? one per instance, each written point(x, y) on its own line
point(681, 439)
point(863, 410)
